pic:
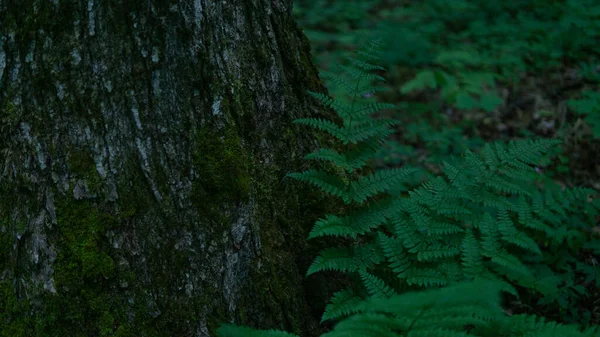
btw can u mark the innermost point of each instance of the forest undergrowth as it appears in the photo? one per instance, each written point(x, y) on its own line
point(472, 192)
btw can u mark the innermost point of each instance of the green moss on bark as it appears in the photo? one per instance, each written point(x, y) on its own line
point(81, 229)
point(10, 308)
point(83, 272)
point(223, 169)
point(82, 165)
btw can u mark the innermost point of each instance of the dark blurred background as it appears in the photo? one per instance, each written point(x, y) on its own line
point(468, 71)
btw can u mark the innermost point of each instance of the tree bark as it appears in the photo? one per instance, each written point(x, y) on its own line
point(143, 146)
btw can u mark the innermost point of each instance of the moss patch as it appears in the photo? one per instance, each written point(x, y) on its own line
point(82, 164)
point(10, 308)
point(80, 229)
point(223, 167)
point(82, 273)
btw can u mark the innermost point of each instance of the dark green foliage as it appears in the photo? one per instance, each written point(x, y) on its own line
point(460, 68)
point(489, 227)
point(462, 310)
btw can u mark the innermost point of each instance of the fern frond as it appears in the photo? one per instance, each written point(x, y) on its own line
point(483, 292)
point(411, 240)
point(337, 258)
point(490, 157)
point(345, 259)
point(511, 235)
point(364, 65)
point(364, 152)
point(352, 160)
point(530, 151)
point(502, 185)
point(438, 229)
point(368, 90)
point(332, 225)
point(505, 286)
point(325, 125)
point(526, 325)
point(359, 132)
point(337, 80)
point(366, 325)
point(375, 286)
point(343, 303)
point(330, 155)
point(343, 109)
point(457, 176)
point(526, 218)
point(437, 251)
point(367, 256)
point(471, 256)
point(426, 277)
point(358, 222)
point(394, 251)
point(491, 200)
point(359, 74)
point(380, 181)
point(364, 110)
point(456, 316)
point(512, 266)
point(490, 236)
point(451, 269)
point(327, 182)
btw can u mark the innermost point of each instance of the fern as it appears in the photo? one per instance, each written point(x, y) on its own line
point(442, 312)
point(343, 303)
point(475, 222)
point(358, 222)
point(470, 234)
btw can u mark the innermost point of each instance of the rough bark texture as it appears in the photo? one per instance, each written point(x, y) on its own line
point(143, 146)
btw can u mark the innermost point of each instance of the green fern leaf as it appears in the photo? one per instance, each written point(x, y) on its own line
point(363, 131)
point(359, 74)
point(363, 110)
point(380, 181)
point(364, 65)
point(367, 256)
point(436, 252)
point(366, 325)
point(411, 240)
point(426, 277)
point(335, 79)
point(343, 303)
point(332, 225)
point(471, 256)
point(324, 125)
point(394, 251)
point(338, 258)
point(326, 182)
point(356, 223)
point(490, 237)
point(511, 235)
point(376, 286)
point(438, 229)
point(512, 264)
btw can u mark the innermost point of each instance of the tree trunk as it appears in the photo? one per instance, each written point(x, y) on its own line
point(143, 146)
